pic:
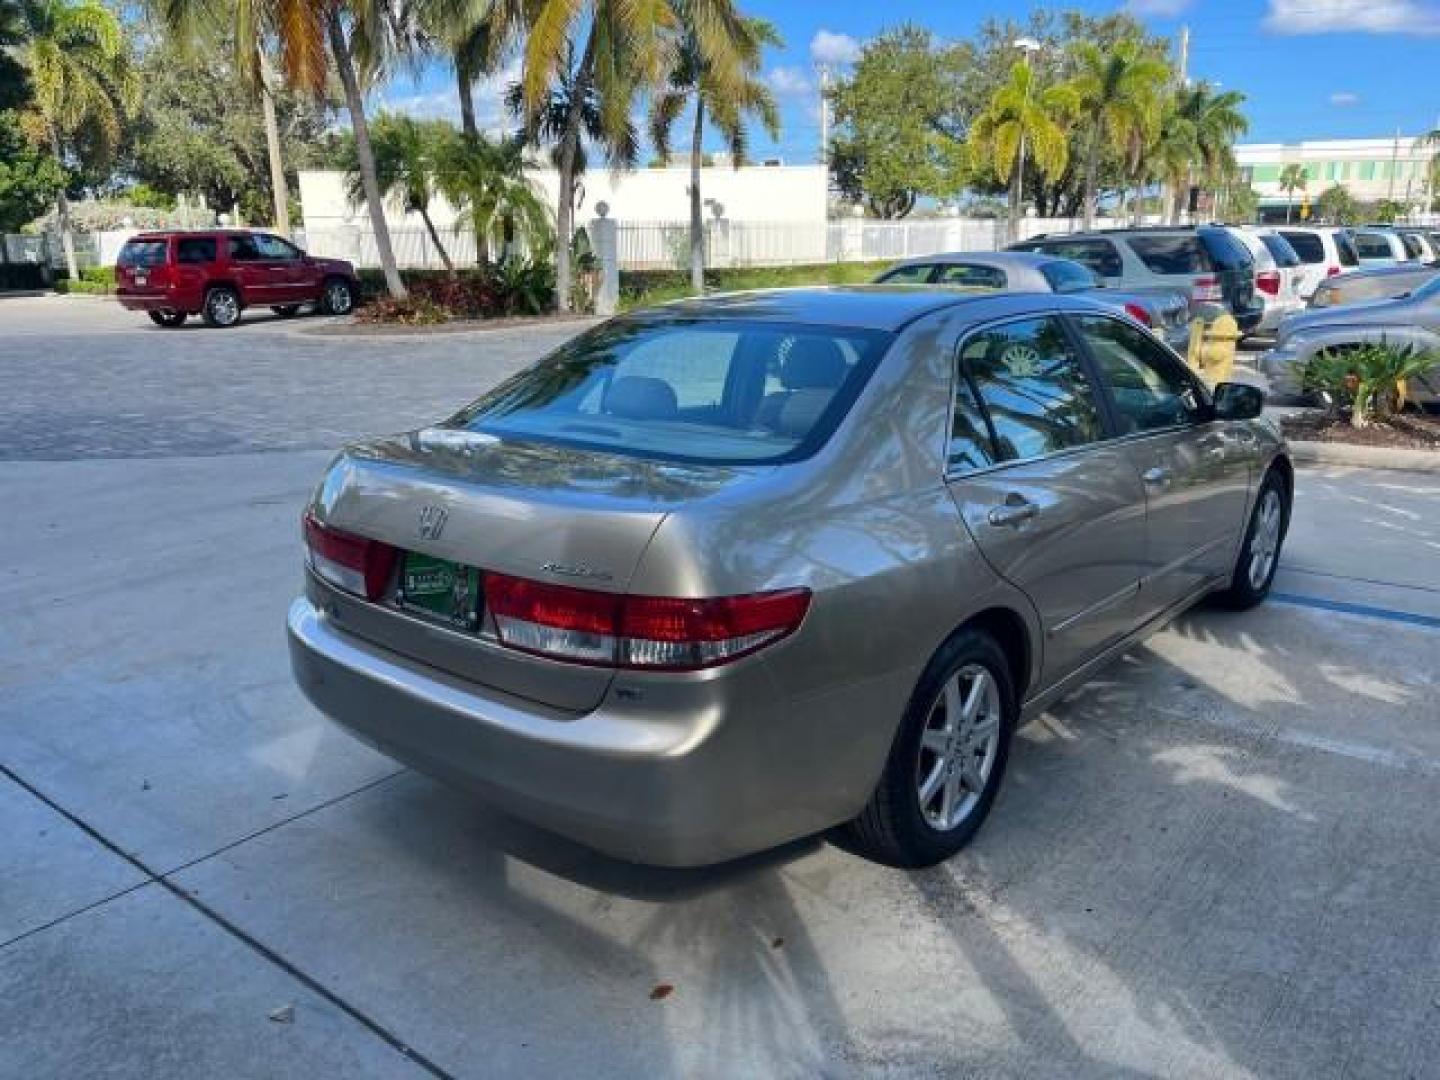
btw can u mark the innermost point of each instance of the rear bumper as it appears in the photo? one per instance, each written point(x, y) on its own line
point(1276, 311)
point(156, 301)
point(688, 786)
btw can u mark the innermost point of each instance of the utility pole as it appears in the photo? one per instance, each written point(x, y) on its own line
point(824, 70)
point(1184, 56)
point(1183, 80)
point(1394, 159)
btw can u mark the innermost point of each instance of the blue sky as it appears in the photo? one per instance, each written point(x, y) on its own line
point(1310, 68)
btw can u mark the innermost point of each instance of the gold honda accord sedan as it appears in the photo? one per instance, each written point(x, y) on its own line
point(733, 571)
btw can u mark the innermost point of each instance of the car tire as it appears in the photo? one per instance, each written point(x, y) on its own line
point(903, 825)
point(222, 307)
point(167, 318)
point(337, 297)
point(286, 311)
point(1260, 552)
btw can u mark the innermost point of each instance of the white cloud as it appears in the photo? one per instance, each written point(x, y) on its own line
point(1160, 9)
point(1352, 16)
point(1343, 98)
point(828, 47)
point(440, 105)
point(789, 81)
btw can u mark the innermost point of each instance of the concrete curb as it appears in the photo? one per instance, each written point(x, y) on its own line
point(1365, 457)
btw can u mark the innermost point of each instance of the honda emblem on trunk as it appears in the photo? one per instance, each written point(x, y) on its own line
point(432, 522)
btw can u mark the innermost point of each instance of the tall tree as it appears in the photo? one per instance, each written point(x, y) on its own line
point(726, 99)
point(1293, 178)
point(901, 122)
point(407, 153)
point(487, 182)
point(1217, 120)
point(77, 59)
point(627, 46)
point(1120, 93)
point(1021, 115)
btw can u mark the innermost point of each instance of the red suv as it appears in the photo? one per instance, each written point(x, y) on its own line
point(218, 274)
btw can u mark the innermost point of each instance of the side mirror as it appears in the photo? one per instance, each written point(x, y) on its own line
point(1238, 401)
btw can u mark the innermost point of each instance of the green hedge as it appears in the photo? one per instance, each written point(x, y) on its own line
point(640, 288)
point(98, 275)
point(90, 288)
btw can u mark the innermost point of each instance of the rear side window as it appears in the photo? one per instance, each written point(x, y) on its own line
point(1171, 254)
point(1034, 392)
point(717, 391)
point(1099, 255)
point(195, 249)
point(1280, 250)
point(1345, 248)
point(142, 253)
point(971, 274)
point(1065, 276)
point(1372, 246)
point(916, 274)
point(1225, 251)
point(1308, 246)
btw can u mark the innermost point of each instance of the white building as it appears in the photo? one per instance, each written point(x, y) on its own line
point(793, 194)
point(1371, 169)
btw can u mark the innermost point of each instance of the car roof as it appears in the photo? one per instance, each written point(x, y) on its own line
point(873, 307)
point(991, 258)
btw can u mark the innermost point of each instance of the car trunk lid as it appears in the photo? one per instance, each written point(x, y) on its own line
point(524, 509)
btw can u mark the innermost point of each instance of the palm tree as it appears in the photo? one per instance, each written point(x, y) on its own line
point(487, 181)
point(1174, 154)
point(406, 165)
point(75, 55)
point(628, 44)
point(360, 37)
point(1018, 116)
point(1293, 178)
point(1120, 91)
point(1217, 121)
point(726, 101)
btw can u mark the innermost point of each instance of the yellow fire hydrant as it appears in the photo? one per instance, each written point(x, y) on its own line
point(1212, 347)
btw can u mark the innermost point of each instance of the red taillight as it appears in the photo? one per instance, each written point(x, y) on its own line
point(1332, 271)
point(1268, 282)
point(1138, 313)
point(1207, 290)
point(652, 632)
point(356, 564)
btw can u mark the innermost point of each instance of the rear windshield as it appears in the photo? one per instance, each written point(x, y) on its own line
point(1065, 276)
point(142, 253)
point(1308, 246)
point(1225, 251)
point(1280, 250)
point(716, 391)
point(1345, 247)
point(1412, 246)
point(1171, 254)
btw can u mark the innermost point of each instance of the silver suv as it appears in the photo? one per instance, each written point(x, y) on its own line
point(1206, 262)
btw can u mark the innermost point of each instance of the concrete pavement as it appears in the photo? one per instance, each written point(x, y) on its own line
point(1215, 860)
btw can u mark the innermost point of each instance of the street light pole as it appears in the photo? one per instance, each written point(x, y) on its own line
point(1029, 47)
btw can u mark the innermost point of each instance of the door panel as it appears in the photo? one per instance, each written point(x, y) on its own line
point(260, 280)
point(1053, 507)
point(1195, 471)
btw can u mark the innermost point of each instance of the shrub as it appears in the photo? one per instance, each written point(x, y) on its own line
point(412, 311)
point(516, 287)
point(640, 288)
point(98, 275)
point(1367, 380)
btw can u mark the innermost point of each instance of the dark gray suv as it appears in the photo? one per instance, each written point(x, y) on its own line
point(1205, 262)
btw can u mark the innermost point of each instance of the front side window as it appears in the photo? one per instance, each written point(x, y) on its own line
point(717, 391)
point(1171, 254)
point(914, 274)
point(1147, 384)
point(243, 249)
point(1037, 398)
point(272, 247)
point(973, 275)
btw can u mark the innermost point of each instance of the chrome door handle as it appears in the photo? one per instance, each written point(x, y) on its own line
point(1156, 475)
point(1016, 511)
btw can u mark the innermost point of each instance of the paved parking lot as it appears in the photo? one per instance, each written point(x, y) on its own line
point(1218, 860)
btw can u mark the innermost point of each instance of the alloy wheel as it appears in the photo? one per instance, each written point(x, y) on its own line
point(224, 307)
point(338, 298)
point(1265, 543)
point(958, 747)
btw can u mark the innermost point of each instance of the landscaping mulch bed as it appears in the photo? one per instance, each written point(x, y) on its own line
point(1408, 431)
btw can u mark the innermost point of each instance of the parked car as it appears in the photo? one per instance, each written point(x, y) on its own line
point(1377, 283)
point(1166, 311)
point(219, 273)
point(731, 571)
point(1411, 322)
point(1379, 245)
point(1205, 262)
point(1278, 272)
point(1421, 243)
point(1326, 251)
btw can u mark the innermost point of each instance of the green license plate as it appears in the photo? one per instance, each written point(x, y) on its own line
point(441, 589)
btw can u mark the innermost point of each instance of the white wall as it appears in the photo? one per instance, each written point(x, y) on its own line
point(754, 193)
